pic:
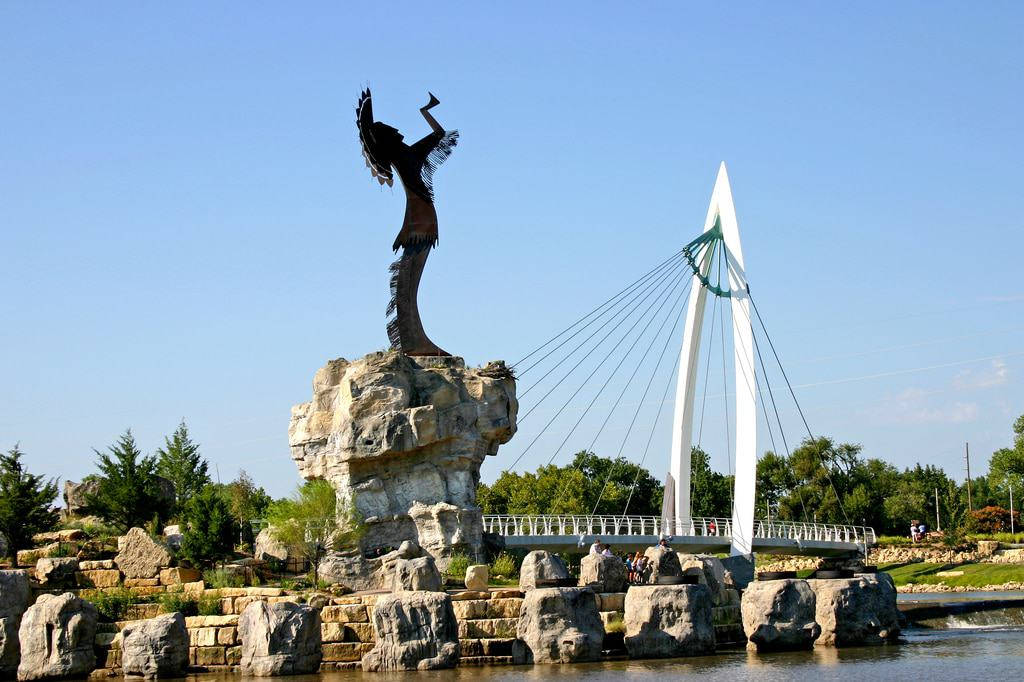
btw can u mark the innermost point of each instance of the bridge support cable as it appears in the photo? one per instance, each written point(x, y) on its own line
point(640, 404)
point(650, 436)
point(670, 288)
point(683, 296)
point(683, 291)
point(725, 402)
point(612, 302)
point(643, 295)
point(800, 411)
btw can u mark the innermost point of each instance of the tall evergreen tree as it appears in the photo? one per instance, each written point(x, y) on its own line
point(26, 502)
point(210, 530)
point(179, 462)
point(129, 489)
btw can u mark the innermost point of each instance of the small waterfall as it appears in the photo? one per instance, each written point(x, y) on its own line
point(1006, 618)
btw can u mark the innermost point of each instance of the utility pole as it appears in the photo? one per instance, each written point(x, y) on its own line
point(938, 524)
point(1011, 508)
point(967, 456)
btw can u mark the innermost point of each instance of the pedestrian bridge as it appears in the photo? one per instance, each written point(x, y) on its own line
point(698, 535)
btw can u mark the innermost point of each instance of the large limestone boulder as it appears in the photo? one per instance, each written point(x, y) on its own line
point(140, 556)
point(855, 611)
point(558, 625)
point(14, 598)
point(477, 577)
point(603, 573)
point(76, 495)
point(711, 572)
point(157, 647)
point(359, 572)
point(779, 615)
point(56, 637)
point(739, 570)
point(663, 562)
point(541, 568)
point(403, 439)
point(269, 548)
point(669, 620)
point(56, 571)
point(414, 631)
point(418, 574)
point(279, 639)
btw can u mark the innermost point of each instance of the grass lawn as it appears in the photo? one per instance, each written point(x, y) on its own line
point(974, 575)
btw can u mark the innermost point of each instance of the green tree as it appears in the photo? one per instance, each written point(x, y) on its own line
point(210, 529)
point(26, 502)
point(129, 491)
point(248, 503)
point(179, 462)
point(711, 492)
point(311, 521)
point(591, 484)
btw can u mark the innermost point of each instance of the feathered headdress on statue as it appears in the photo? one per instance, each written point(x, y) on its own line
point(375, 149)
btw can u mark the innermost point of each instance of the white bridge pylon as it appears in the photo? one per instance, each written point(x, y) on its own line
point(677, 508)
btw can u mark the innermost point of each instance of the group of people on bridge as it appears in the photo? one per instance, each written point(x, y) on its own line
point(638, 566)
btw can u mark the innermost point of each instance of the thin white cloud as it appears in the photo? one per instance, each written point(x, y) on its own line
point(996, 374)
point(913, 406)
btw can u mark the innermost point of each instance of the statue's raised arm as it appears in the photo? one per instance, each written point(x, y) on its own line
point(386, 153)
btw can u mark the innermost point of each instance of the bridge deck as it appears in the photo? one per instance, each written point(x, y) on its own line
point(698, 535)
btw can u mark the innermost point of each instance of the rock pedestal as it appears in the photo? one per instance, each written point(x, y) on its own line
point(559, 625)
point(417, 574)
point(779, 615)
point(57, 571)
point(279, 639)
point(157, 647)
point(402, 439)
point(56, 637)
point(140, 556)
point(855, 611)
point(415, 631)
point(603, 573)
point(669, 620)
point(663, 563)
point(540, 568)
point(14, 598)
point(477, 577)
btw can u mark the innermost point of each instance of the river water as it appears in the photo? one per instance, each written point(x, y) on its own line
point(976, 646)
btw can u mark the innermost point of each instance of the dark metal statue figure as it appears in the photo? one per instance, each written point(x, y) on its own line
point(386, 153)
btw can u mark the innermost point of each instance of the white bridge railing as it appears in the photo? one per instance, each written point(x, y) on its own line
point(516, 524)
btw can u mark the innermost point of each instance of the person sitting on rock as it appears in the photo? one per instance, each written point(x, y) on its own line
point(607, 551)
point(596, 547)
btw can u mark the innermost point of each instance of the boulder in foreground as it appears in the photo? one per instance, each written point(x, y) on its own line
point(279, 639)
point(157, 647)
point(559, 625)
point(779, 615)
point(669, 620)
point(414, 631)
point(56, 637)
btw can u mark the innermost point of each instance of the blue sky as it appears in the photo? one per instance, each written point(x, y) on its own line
point(188, 230)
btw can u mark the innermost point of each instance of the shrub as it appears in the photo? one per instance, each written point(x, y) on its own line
point(111, 604)
point(209, 604)
point(171, 602)
point(218, 578)
point(504, 564)
point(615, 624)
point(991, 519)
point(457, 566)
point(91, 528)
